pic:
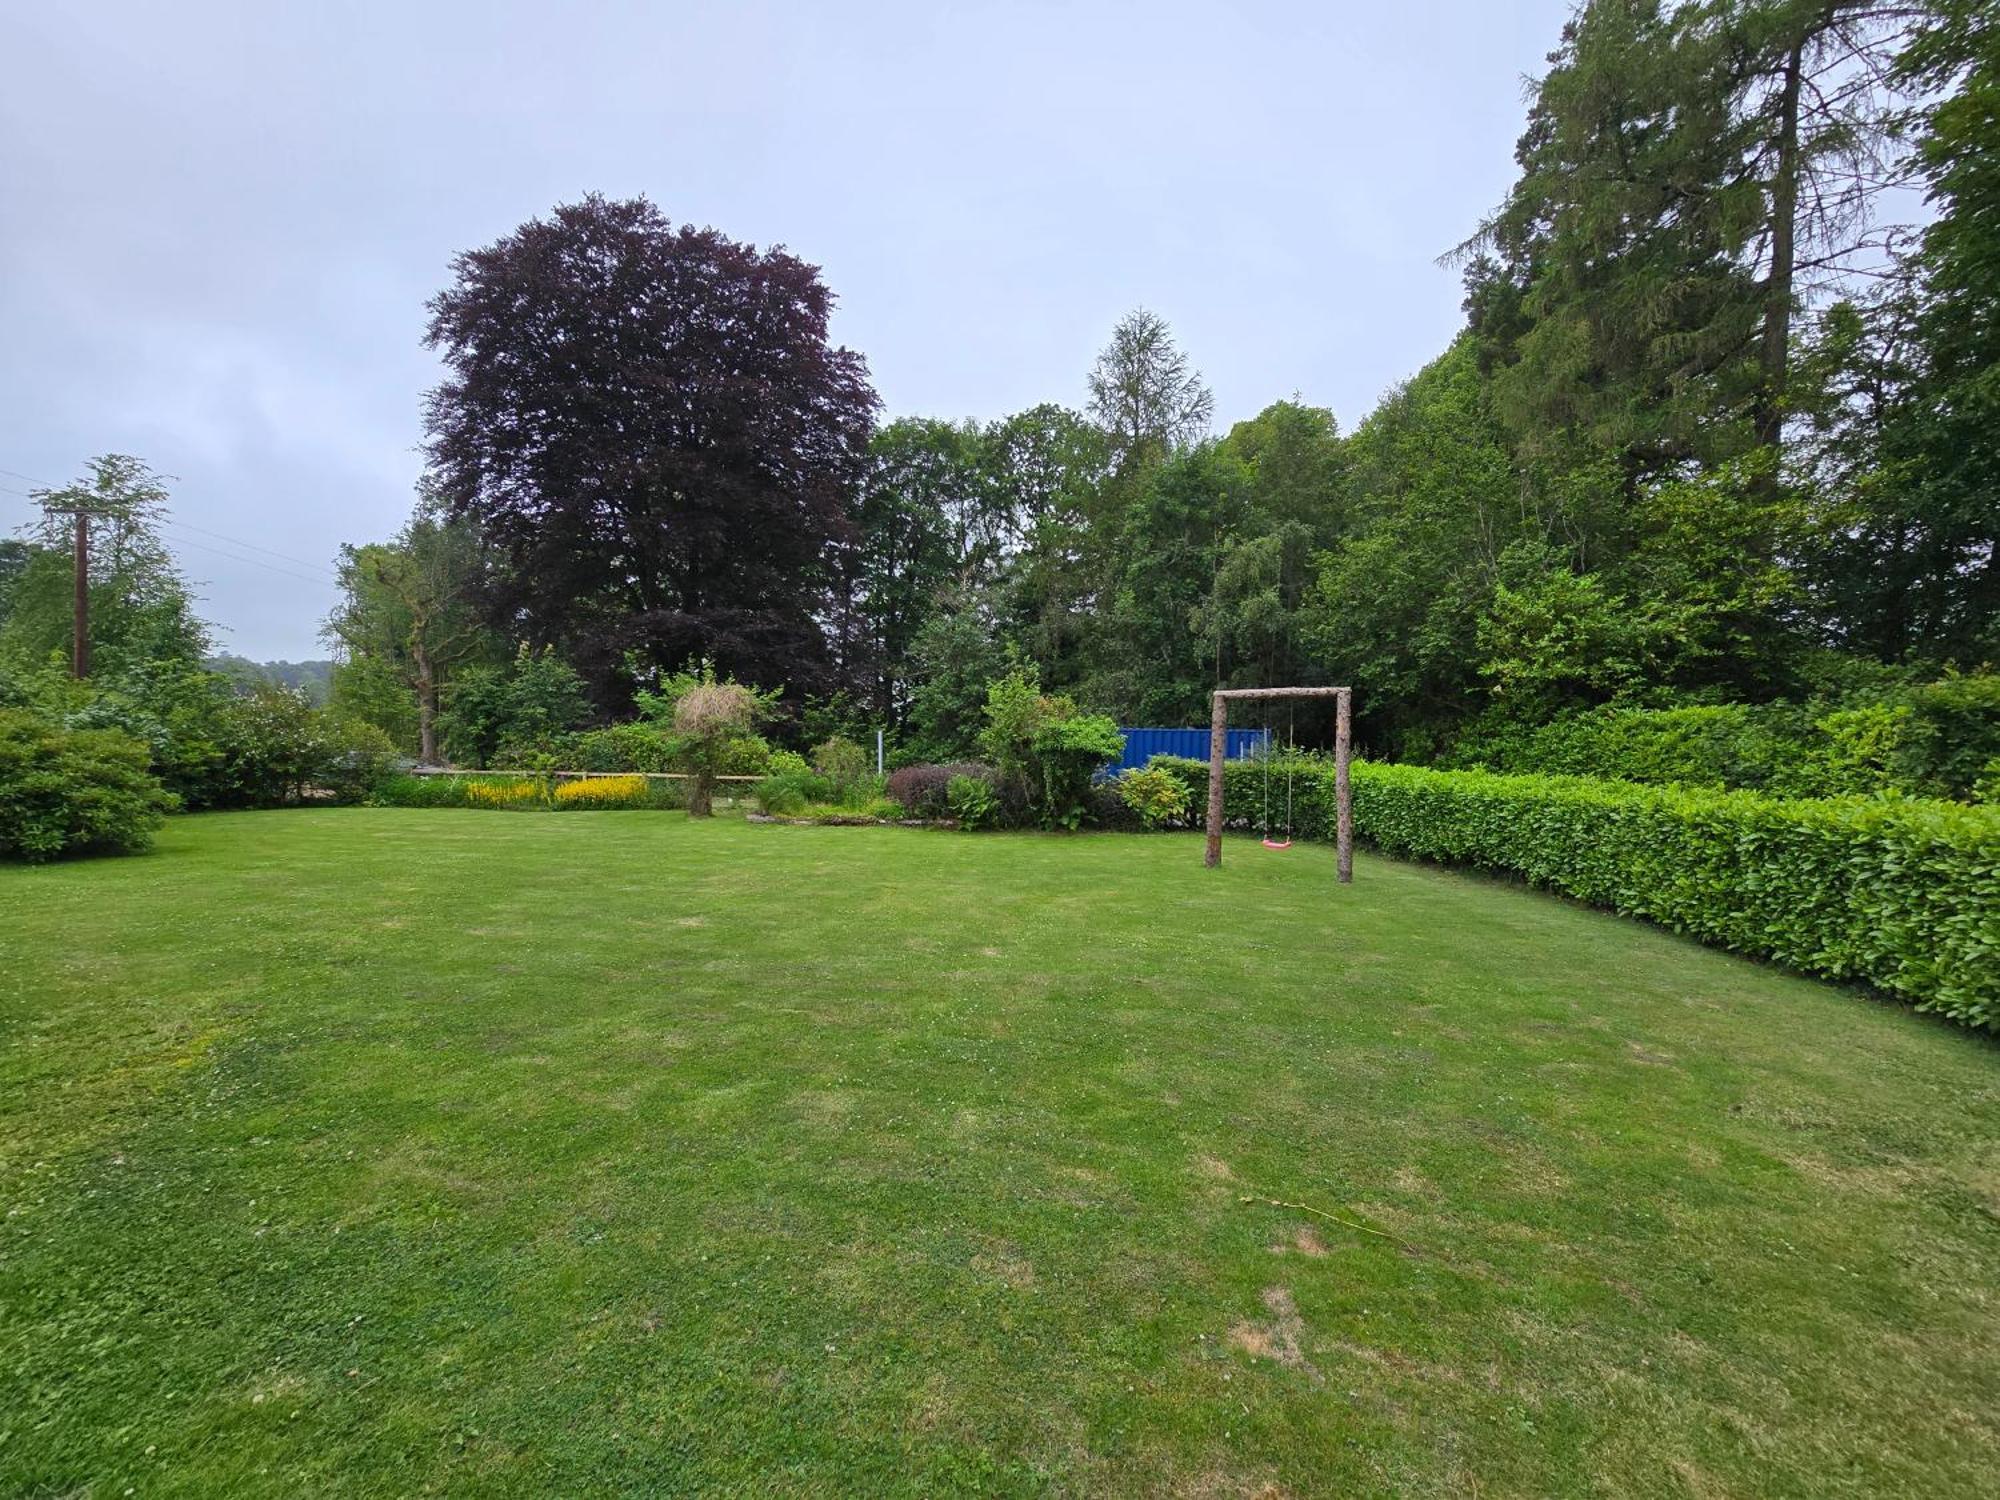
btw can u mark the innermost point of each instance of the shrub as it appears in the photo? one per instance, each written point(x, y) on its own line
point(840, 761)
point(925, 791)
point(619, 747)
point(73, 791)
point(790, 792)
point(787, 763)
point(973, 801)
point(1068, 752)
point(421, 791)
point(603, 792)
point(359, 757)
point(1154, 793)
point(1898, 892)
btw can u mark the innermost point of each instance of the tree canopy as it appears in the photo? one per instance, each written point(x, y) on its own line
point(650, 424)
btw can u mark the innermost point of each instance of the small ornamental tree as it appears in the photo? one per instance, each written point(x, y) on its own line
point(1068, 752)
point(712, 726)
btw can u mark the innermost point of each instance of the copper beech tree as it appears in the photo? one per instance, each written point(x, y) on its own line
point(650, 425)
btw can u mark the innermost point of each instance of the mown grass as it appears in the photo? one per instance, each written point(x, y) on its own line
point(355, 1152)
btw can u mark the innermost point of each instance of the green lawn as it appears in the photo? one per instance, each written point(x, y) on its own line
point(355, 1152)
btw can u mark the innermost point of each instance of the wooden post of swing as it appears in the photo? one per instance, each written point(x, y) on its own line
point(1218, 745)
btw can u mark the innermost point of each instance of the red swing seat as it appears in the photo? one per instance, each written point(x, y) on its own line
point(1277, 843)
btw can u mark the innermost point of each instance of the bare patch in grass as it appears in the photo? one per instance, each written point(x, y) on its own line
point(825, 1106)
point(1279, 1339)
point(1005, 1263)
point(1224, 1484)
point(1213, 1167)
point(1306, 1241)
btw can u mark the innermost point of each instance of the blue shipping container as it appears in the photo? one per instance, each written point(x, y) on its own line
point(1141, 745)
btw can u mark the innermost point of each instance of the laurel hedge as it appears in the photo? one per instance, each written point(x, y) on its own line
point(1900, 893)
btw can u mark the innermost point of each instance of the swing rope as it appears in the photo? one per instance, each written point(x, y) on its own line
point(1267, 781)
point(1286, 841)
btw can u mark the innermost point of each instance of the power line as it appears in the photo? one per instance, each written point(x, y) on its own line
point(324, 575)
point(239, 542)
point(327, 581)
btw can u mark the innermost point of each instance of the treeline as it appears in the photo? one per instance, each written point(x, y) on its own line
point(1715, 433)
point(1718, 438)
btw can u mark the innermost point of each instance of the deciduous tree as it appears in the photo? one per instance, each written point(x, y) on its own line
point(652, 426)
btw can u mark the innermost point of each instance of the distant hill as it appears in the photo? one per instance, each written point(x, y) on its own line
point(314, 678)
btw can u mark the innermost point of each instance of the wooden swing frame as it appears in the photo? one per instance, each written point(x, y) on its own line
point(1218, 742)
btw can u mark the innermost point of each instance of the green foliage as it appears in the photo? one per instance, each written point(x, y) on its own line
point(1396, 600)
point(73, 791)
point(373, 691)
point(1718, 745)
point(841, 762)
point(636, 746)
point(925, 791)
point(214, 747)
point(408, 619)
point(1901, 893)
point(954, 660)
point(1157, 650)
point(1068, 752)
point(1159, 797)
point(789, 792)
point(1015, 711)
point(1924, 739)
point(495, 715)
point(972, 801)
point(711, 728)
point(141, 611)
point(1559, 640)
point(930, 519)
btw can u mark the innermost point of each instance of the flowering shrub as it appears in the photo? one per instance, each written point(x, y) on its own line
point(604, 792)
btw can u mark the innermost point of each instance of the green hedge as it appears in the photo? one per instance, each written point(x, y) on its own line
point(1899, 893)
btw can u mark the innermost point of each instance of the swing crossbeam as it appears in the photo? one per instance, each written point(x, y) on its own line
point(1218, 739)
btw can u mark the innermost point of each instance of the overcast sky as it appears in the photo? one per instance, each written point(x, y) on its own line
point(219, 223)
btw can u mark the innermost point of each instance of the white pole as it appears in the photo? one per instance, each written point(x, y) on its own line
point(878, 752)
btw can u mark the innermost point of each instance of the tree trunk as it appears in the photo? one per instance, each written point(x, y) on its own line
point(1777, 345)
point(427, 705)
point(701, 795)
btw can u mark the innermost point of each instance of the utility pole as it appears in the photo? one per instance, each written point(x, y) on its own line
point(79, 643)
point(79, 640)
